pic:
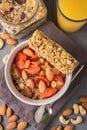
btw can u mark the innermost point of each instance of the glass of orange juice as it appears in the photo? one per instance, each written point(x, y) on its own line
point(71, 14)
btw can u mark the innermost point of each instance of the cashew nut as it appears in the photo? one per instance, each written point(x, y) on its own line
point(63, 120)
point(76, 108)
point(78, 120)
point(82, 110)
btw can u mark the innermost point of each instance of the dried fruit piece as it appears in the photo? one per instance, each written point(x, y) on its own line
point(1, 43)
point(3, 109)
point(8, 112)
point(67, 112)
point(11, 125)
point(13, 118)
point(22, 125)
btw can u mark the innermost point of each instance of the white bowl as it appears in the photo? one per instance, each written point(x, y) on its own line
point(18, 95)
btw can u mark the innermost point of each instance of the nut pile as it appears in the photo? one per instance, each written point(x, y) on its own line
point(12, 119)
point(5, 38)
point(66, 119)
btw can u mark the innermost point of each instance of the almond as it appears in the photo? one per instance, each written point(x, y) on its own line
point(83, 99)
point(8, 112)
point(69, 127)
point(3, 109)
point(24, 74)
point(49, 74)
point(30, 83)
point(1, 127)
point(27, 64)
point(11, 41)
point(1, 43)
point(17, 72)
point(42, 86)
point(12, 48)
point(67, 112)
point(13, 118)
point(27, 91)
point(0, 118)
point(11, 125)
point(28, 52)
point(22, 125)
point(4, 35)
point(58, 127)
point(84, 104)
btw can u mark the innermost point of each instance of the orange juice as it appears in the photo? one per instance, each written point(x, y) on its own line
point(71, 14)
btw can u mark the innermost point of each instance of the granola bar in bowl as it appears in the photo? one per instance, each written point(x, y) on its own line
point(33, 76)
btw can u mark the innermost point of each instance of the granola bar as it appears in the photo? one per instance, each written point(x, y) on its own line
point(53, 52)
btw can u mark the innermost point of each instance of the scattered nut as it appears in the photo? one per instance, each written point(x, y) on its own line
point(69, 127)
point(63, 120)
point(11, 41)
point(83, 99)
point(76, 108)
point(76, 121)
point(1, 43)
point(11, 125)
point(58, 127)
point(4, 35)
point(22, 125)
point(13, 118)
point(8, 112)
point(4, 60)
point(12, 48)
point(1, 127)
point(0, 118)
point(67, 112)
point(3, 109)
point(84, 104)
point(82, 110)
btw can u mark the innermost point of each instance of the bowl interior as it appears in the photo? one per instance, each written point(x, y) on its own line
point(18, 95)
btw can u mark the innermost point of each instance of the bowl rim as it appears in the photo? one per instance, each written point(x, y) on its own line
point(18, 95)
